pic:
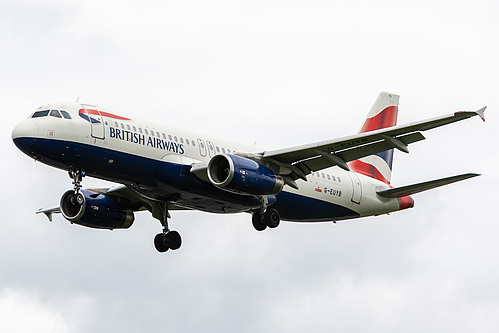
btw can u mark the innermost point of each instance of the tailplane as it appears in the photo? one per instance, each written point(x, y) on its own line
point(383, 114)
point(404, 191)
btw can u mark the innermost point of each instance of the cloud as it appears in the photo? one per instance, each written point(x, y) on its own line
point(284, 74)
point(20, 313)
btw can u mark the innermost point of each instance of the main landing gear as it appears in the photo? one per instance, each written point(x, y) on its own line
point(269, 219)
point(265, 217)
point(168, 239)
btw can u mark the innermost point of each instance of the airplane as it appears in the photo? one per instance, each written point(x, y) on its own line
point(159, 168)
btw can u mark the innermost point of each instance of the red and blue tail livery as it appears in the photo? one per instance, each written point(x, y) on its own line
point(383, 114)
point(162, 169)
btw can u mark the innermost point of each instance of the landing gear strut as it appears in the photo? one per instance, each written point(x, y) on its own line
point(168, 239)
point(77, 176)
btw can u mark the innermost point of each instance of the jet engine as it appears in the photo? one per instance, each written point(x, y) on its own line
point(95, 210)
point(242, 175)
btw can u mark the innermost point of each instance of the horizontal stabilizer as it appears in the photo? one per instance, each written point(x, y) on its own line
point(416, 188)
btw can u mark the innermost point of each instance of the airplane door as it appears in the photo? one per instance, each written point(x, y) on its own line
point(211, 148)
point(97, 129)
point(202, 147)
point(357, 187)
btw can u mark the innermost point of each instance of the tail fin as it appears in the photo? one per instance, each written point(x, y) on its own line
point(383, 114)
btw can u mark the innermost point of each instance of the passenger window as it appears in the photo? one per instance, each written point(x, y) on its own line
point(128, 127)
point(181, 140)
point(218, 149)
point(334, 179)
point(140, 130)
point(169, 137)
point(187, 141)
point(157, 134)
point(122, 126)
point(65, 114)
point(116, 124)
point(134, 128)
point(176, 140)
point(152, 133)
point(323, 176)
point(55, 113)
point(193, 144)
point(339, 180)
point(328, 177)
point(164, 136)
point(223, 150)
point(146, 131)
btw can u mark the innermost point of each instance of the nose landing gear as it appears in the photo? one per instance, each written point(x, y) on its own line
point(77, 175)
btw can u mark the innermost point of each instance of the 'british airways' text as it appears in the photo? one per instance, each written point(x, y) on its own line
point(141, 139)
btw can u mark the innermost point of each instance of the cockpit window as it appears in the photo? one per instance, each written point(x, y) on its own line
point(65, 114)
point(52, 113)
point(55, 113)
point(38, 114)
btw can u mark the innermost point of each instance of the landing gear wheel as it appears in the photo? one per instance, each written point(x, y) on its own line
point(79, 199)
point(160, 243)
point(174, 240)
point(257, 221)
point(165, 241)
point(271, 218)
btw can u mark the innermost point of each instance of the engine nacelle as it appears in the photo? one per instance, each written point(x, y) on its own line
point(241, 175)
point(95, 210)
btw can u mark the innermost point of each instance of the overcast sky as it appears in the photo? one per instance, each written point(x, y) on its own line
point(279, 73)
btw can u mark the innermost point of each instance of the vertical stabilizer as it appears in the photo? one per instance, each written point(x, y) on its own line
point(383, 114)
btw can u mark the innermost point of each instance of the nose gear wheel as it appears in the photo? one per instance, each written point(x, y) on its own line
point(77, 175)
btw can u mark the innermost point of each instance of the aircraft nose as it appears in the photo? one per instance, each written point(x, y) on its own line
point(25, 129)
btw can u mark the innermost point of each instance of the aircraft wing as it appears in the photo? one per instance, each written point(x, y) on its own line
point(49, 212)
point(297, 162)
point(130, 198)
point(125, 195)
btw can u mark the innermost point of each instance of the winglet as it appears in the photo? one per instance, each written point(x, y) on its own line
point(481, 113)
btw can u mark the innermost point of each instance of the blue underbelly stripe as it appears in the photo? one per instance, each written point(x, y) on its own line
point(295, 207)
point(167, 178)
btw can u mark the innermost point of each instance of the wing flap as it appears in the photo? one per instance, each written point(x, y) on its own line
point(380, 146)
point(403, 191)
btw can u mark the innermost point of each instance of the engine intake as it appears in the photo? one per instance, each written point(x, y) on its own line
point(242, 175)
point(95, 210)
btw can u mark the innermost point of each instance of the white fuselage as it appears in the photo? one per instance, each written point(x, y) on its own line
point(126, 150)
